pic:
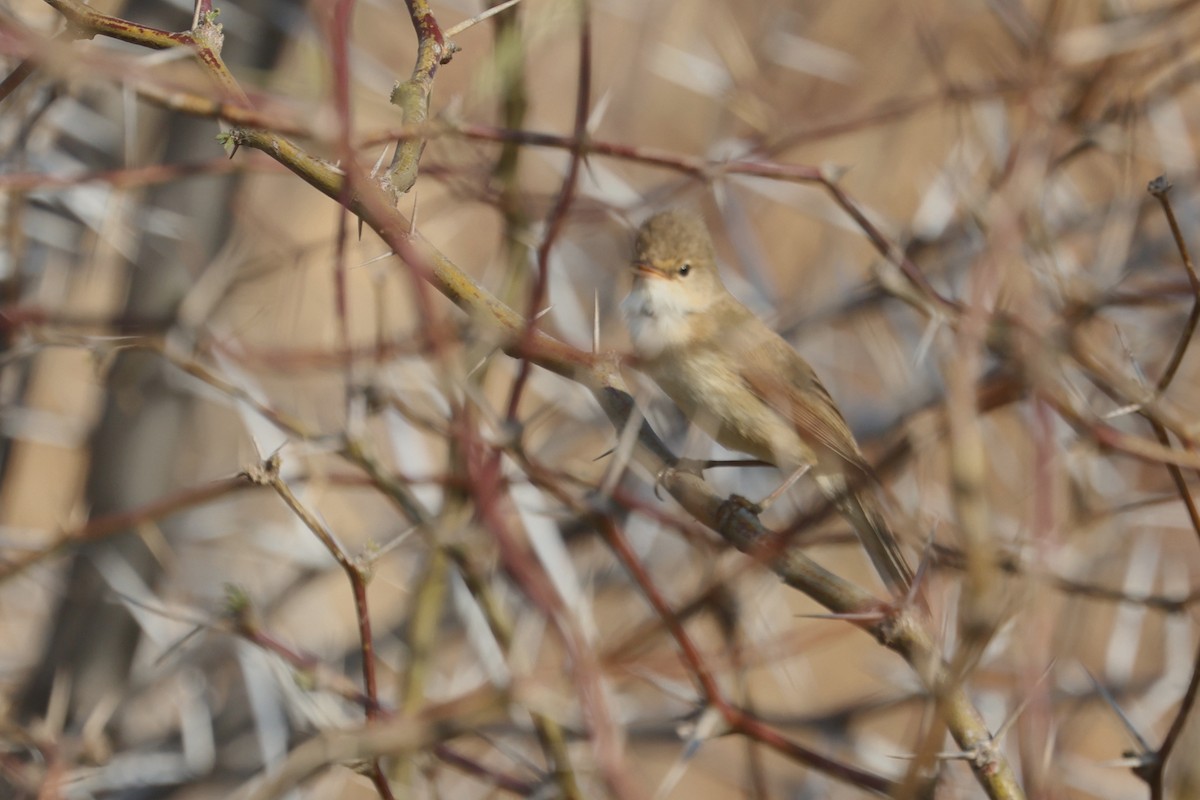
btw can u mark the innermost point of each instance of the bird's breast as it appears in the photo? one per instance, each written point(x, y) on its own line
point(708, 388)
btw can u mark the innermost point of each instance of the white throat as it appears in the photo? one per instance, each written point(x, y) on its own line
point(657, 317)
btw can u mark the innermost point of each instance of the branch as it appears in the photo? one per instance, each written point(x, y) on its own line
point(412, 96)
point(901, 631)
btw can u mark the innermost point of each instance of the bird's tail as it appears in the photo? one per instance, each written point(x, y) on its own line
point(862, 510)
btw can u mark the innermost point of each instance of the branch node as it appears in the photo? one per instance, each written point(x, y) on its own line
point(264, 473)
point(1159, 186)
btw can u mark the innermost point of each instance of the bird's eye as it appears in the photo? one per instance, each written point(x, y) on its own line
point(684, 269)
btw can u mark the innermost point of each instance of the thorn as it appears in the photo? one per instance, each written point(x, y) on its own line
point(1012, 718)
point(923, 346)
point(379, 162)
point(857, 616)
point(597, 115)
point(455, 30)
point(1132, 408)
point(1120, 712)
point(1131, 761)
point(374, 259)
point(624, 451)
point(479, 364)
point(709, 725)
point(922, 570)
point(833, 173)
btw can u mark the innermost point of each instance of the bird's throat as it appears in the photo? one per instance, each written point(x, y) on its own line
point(658, 318)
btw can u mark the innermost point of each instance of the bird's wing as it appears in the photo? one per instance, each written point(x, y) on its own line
point(783, 380)
point(788, 384)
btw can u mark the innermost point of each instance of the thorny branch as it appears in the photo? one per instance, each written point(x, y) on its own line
point(413, 95)
point(901, 629)
point(1153, 769)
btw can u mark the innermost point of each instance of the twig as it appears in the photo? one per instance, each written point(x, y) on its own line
point(558, 216)
point(101, 527)
point(550, 734)
point(1160, 187)
point(267, 474)
point(1153, 770)
point(734, 717)
point(412, 96)
point(600, 374)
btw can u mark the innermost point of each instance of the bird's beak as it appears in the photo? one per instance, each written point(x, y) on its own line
point(642, 269)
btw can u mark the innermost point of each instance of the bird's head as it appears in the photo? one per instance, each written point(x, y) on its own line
point(674, 259)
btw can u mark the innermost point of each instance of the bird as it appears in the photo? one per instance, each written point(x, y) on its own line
point(743, 383)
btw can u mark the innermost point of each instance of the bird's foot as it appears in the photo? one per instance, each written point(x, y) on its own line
point(736, 504)
point(690, 466)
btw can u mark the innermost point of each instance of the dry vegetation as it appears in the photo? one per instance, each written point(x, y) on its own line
point(299, 490)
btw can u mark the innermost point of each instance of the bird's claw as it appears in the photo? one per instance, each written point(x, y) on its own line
point(744, 504)
point(734, 505)
point(690, 466)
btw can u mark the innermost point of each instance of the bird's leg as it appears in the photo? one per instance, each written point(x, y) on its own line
point(796, 475)
point(697, 466)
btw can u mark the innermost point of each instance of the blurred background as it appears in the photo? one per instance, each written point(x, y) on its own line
point(171, 316)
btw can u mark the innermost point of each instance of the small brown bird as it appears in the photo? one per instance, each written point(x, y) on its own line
point(741, 382)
